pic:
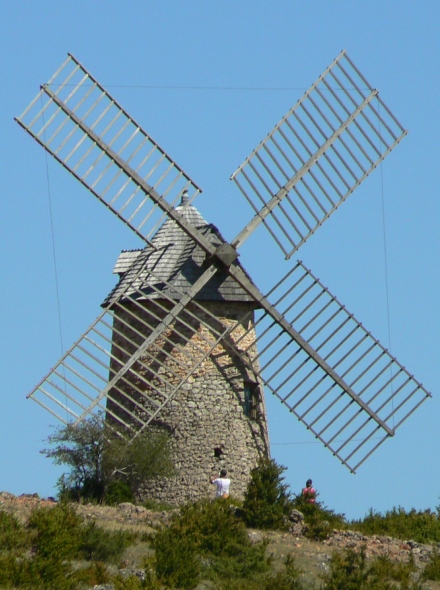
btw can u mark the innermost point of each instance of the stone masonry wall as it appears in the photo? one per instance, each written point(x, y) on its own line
point(213, 422)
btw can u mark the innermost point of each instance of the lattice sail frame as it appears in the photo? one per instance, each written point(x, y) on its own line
point(95, 370)
point(383, 393)
point(114, 358)
point(73, 117)
point(327, 143)
point(317, 155)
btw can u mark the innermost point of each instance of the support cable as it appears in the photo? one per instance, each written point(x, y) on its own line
point(385, 253)
point(54, 258)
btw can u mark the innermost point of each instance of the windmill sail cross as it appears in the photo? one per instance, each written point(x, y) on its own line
point(185, 305)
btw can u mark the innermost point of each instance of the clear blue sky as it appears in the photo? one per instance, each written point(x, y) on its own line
point(208, 80)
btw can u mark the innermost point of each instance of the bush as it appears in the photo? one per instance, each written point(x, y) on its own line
point(53, 534)
point(100, 545)
point(432, 568)
point(96, 573)
point(422, 526)
point(81, 448)
point(12, 533)
point(10, 571)
point(267, 500)
point(157, 505)
point(56, 536)
point(144, 457)
point(118, 491)
point(286, 579)
point(207, 538)
point(319, 519)
point(176, 558)
point(105, 464)
point(56, 532)
point(350, 571)
point(35, 573)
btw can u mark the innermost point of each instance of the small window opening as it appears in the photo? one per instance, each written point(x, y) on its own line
point(250, 400)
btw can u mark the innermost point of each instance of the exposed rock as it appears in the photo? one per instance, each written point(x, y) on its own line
point(296, 516)
point(379, 545)
point(295, 523)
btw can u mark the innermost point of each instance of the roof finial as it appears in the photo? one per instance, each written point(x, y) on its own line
point(185, 198)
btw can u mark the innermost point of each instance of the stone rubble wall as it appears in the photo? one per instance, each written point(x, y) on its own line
point(208, 417)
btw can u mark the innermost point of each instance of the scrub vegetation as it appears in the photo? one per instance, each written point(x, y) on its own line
point(208, 545)
point(203, 546)
point(103, 465)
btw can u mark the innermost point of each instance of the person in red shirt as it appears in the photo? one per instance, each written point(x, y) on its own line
point(309, 492)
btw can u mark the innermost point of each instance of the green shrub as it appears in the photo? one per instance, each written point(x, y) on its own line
point(81, 448)
point(207, 539)
point(350, 570)
point(319, 519)
point(157, 505)
point(56, 532)
point(98, 544)
point(10, 568)
point(422, 526)
point(96, 573)
point(118, 491)
point(53, 534)
point(432, 568)
point(134, 460)
point(36, 573)
point(176, 558)
point(286, 579)
point(267, 500)
point(222, 538)
point(12, 533)
point(385, 569)
point(97, 456)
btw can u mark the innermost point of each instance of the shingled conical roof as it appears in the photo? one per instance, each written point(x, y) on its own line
point(172, 263)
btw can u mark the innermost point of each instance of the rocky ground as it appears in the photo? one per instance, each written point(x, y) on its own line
point(312, 557)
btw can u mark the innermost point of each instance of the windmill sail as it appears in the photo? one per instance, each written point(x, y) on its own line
point(317, 155)
point(117, 366)
point(94, 138)
point(378, 394)
point(157, 330)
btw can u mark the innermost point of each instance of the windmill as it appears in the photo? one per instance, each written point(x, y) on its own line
point(165, 322)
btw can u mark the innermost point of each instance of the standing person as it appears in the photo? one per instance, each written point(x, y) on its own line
point(309, 492)
point(222, 484)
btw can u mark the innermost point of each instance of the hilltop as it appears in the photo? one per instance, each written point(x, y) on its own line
point(312, 557)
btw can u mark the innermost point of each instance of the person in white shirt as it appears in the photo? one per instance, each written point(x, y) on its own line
point(222, 484)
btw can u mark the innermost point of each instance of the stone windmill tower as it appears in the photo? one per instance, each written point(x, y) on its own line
point(186, 340)
point(217, 418)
